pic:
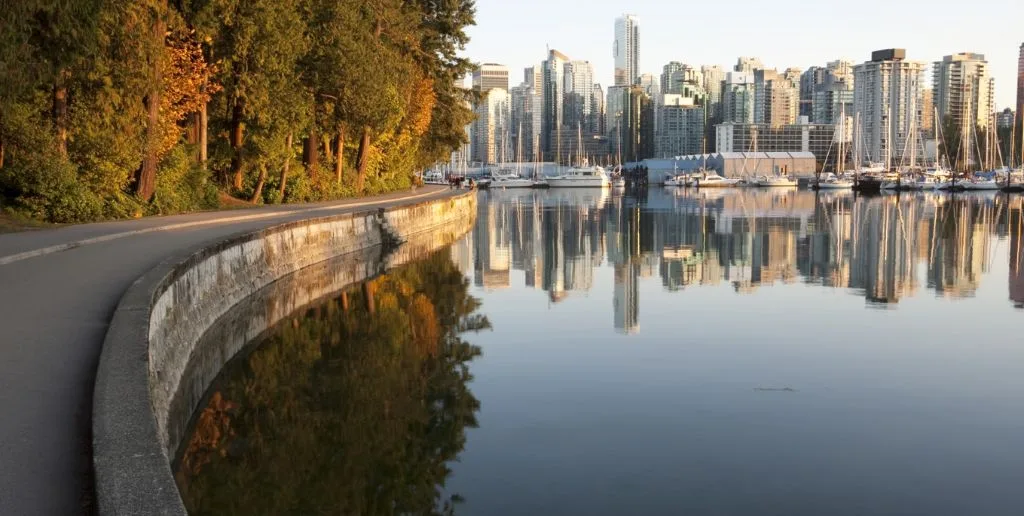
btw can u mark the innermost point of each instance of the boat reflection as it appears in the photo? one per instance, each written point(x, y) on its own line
point(884, 248)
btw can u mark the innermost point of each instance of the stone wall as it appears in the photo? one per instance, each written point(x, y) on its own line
point(151, 375)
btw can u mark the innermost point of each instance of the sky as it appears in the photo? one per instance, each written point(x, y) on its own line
point(782, 33)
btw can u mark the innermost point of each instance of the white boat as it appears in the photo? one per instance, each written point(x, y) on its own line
point(675, 180)
point(833, 182)
point(979, 184)
point(780, 180)
point(511, 182)
point(581, 177)
point(713, 180)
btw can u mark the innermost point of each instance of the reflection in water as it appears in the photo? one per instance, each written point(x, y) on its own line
point(877, 246)
point(353, 406)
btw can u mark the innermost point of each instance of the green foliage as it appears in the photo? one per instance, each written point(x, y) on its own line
point(76, 78)
point(182, 185)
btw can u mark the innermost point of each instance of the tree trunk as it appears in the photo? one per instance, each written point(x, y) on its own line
point(1, 152)
point(284, 169)
point(60, 111)
point(145, 183)
point(369, 288)
point(257, 194)
point(310, 153)
point(328, 151)
point(203, 134)
point(363, 159)
point(339, 160)
point(236, 135)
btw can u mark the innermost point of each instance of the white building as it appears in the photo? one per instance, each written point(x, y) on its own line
point(886, 93)
point(963, 91)
point(626, 50)
point(680, 126)
point(491, 132)
point(738, 94)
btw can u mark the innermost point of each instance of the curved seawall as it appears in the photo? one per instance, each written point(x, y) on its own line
point(152, 371)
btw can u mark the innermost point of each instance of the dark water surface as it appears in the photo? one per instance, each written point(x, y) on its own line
point(709, 353)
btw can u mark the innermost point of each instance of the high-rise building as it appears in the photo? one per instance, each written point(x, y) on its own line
point(928, 113)
point(672, 77)
point(650, 84)
point(553, 114)
point(533, 76)
point(680, 126)
point(1004, 120)
point(491, 131)
point(748, 64)
point(810, 83)
point(1020, 83)
point(489, 76)
point(776, 98)
point(626, 50)
point(599, 116)
point(738, 98)
point(963, 91)
point(578, 78)
point(614, 111)
point(886, 91)
point(524, 121)
point(713, 77)
point(638, 126)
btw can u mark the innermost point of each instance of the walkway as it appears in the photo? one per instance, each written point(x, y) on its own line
point(58, 289)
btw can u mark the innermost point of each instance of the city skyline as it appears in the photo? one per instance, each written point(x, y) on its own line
point(590, 36)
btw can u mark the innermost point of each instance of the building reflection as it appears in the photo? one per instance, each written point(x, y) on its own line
point(885, 248)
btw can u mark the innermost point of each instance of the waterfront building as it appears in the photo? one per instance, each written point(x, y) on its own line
point(713, 77)
point(638, 126)
point(680, 126)
point(489, 76)
point(614, 111)
point(887, 90)
point(738, 92)
point(817, 139)
point(962, 91)
point(928, 112)
point(810, 83)
point(626, 50)
point(491, 131)
point(525, 121)
point(599, 115)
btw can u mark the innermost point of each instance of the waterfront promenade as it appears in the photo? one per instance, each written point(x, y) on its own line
point(58, 290)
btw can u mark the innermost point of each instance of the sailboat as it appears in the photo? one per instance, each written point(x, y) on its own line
point(836, 181)
point(1015, 177)
point(981, 183)
point(583, 174)
point(504, 179)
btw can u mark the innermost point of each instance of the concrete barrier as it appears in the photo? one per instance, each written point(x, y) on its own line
point(151, 374)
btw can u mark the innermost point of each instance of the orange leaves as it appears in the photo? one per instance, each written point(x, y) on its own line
point(187, 85)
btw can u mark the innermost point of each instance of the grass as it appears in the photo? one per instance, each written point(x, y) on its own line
point(12, 223)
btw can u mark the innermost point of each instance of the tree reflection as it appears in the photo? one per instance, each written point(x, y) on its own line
point(342, 412)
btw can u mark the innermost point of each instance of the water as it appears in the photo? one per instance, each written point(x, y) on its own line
point(721, 352)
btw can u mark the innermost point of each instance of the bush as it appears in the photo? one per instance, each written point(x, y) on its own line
point(182, 185)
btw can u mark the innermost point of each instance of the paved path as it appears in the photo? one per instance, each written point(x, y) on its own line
point(58, 290)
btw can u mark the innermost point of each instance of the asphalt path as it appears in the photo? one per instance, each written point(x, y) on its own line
point(58, 291)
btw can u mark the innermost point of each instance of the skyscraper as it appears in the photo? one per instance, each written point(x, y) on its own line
point(626, 50)
point(962, 91)
point(578, 83)
point(552, 119)
point(491, 131)
point(672, 77)
point(489, 76)
point(598, 119)
point(680, 122)
point(886, 91)
point(776, 98)
point(738, 98)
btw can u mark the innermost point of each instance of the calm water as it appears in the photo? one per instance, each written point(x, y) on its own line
point(713, 353)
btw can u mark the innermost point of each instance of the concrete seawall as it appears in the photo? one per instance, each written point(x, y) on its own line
point(152, 371)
